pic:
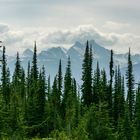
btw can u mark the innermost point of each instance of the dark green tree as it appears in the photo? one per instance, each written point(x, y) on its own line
point(130, 87)
point(48, 87)
point(104, 86)
point(97, 85)
point(5, 78)
point(119, 101)
point(59, 81)
point(34, 68)
point(68, 102)
point(128, 131)
point(87, 77)
point(60, 78)
point(55, 103)
point(111, 65)
point(67, 86)
point(40, 97)
point(116, 99)
point(17, 81)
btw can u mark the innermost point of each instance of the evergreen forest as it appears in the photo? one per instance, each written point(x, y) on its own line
point(101, 108)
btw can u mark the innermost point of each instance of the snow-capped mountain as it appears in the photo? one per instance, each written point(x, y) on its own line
point(50, 59)
point(27, 53)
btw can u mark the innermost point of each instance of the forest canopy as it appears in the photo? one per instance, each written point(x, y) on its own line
point(100, 109)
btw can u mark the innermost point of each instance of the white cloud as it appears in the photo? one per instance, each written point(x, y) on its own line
point(17, 40)
point(119, 42)
point(115, 26)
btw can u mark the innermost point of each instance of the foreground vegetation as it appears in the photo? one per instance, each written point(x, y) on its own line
point(32, 109)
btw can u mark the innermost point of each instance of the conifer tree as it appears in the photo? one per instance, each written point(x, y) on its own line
point(98, 129)
point(76, 102)
point(59, 80)
point(48, 87)
point(116, 99)
point(32, 101)
point(67, 83)
point(96, 85)
point(5, 81)
point(17, 72)
point(122, 99)
point(130, 87)
point(68, 102)
point(34, 68)
point(87, 77)
point(55, 101)
point(16, 99)
point(27, 93)
point(119, 101)
point(23, 85)
point(39, 99)
point(104, 86)
point(128, 132)
point(110, 84)
point(16, 81)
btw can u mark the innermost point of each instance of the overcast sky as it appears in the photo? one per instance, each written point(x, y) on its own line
point(112, 23)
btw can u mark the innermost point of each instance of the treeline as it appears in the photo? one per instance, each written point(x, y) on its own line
point(100, 109)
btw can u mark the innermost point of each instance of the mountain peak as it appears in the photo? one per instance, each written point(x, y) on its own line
point(77, 43)
point(28, 53)
point(57, 49)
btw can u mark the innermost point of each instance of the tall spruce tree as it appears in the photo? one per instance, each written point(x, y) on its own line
point(32, 101)
point(111, 65)
point(16, 99)
point(67, 87)
point(48, 87)
point(96, 85)
point(68, 102)
point(59, 81)
point(55, 103)
point(122, 99)
point(116, 99)
point(16, 81)
point(27, 93)
point(76, 100)
point(23, 85)
point(87, 77)
point(130, 87)
point(17, 72)
point(5, 81)
point(40, 96)
point(34, 68)
point(60, 78)
point(128, 131)
point(104, 86)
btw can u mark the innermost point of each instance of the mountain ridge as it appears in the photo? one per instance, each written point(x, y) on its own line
point(50, 58)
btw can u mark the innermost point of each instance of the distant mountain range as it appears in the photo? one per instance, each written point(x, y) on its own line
point(50, 59)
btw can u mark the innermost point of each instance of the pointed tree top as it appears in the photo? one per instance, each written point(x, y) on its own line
point(87, 44)
point(97, 64)
point(17, 54)
point(60, 62)
point(35, 47)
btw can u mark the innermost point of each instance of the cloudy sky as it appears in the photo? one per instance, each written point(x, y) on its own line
point(112, 23)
